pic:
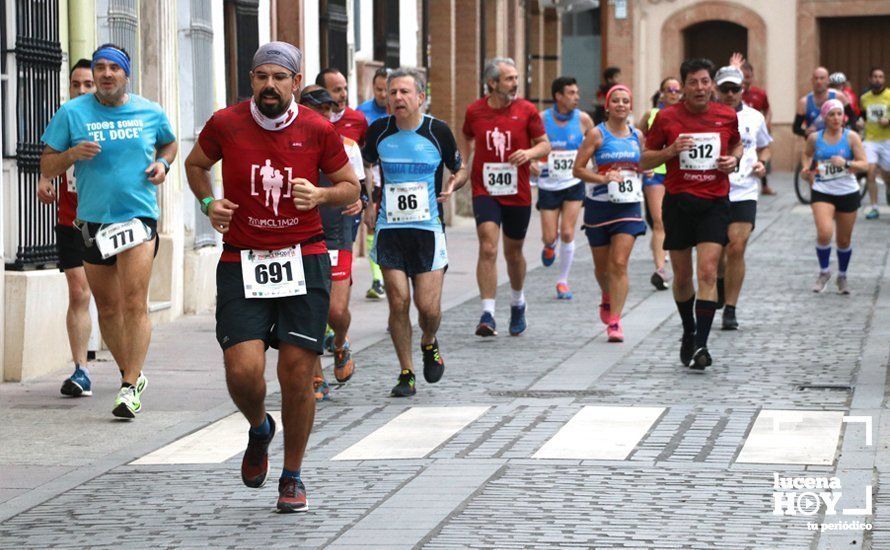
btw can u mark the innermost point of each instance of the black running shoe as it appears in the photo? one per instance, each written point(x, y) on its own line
point(433, 364)
point(405, 387)
point(701, 359)
point(729, 320)
point(687, 348)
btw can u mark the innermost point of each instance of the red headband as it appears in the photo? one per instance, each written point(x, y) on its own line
point(616, 88)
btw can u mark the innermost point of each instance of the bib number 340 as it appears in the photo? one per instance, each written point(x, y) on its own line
point(500, 178)
point(273, 273)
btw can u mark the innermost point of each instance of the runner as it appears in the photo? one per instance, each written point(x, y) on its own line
point(373, 109)
point(876, 106)
point(339, 236)
point(412, 149)
point(808, 118)
point(121, 146)
point(653, 186)
point(560, 194)
point(505, 133)
point(612, 215)
point(830, 159)
point(70, 252)
point(273, 279)
point(699, 141)
point(757, 99)
point(742, 190)
point(611, 77)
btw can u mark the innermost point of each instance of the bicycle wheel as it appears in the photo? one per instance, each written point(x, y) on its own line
point(801, 186)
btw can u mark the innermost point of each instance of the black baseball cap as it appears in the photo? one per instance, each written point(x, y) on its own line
point(317, 97)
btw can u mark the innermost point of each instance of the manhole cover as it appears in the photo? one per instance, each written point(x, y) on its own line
point(548, 394)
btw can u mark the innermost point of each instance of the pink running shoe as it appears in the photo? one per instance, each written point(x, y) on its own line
point(615, 333)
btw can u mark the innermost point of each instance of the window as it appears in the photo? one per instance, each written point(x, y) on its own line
point(333, 26)
point(386, 32)
point(123, 25)
point(242, 37)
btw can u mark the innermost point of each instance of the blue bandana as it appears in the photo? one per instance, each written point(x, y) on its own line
point(115, 56)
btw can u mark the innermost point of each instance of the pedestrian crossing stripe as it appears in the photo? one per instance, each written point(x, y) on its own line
point(600, 432)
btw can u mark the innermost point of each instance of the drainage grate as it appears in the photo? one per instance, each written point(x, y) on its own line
point(44, 406)
point(823, 387)
point(548, 394)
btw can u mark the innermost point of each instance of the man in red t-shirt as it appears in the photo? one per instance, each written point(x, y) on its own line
point(756, 98)
point(274, 277)
point(505, 133)
point(69, 246)
point(348, 122)
point(699, 142)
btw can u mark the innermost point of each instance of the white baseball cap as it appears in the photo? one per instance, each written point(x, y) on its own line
point(729, 74)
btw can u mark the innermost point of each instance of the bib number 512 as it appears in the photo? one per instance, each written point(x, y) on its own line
point(701, 151)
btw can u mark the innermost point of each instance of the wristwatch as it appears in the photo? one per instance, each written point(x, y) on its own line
point(166, 164)
point(205, 204)
point(847, 164)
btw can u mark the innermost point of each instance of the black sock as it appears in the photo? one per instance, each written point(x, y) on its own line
point(704, 316)
point(687, 315)
point(721, 293)
point(729, 309)
point(126, 385)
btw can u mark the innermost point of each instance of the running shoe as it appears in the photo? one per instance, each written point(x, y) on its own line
point(842, 287)
point(322, 389)
point(767, 190)
point(291, 496)
point(344, 366)
point(405, 386)
point(255, 462)
point(548, 255)
point(701, 359)
point(328, 342)
point(660, 279)
point(605, 311)
point(822, 281)
point(376, 292)
point(127, 403)
point(141, 384)
point(563, 292)
point(78, 384)
point(517, 320)
point(615, 333)
point(486, 326)
point(687, 348)
point(872, 214)
point(433, 364)
point(729, 320)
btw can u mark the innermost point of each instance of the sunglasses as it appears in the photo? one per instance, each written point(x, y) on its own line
point(672, 91)
point(731, 89)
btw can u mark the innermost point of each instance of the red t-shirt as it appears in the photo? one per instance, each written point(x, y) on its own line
point(677, 119)
point(353, 125)
point(67, 200)
point(756, 99)
point(497, 134)
point(257, 163)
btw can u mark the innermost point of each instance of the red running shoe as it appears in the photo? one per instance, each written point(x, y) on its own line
point(255, 463)
point(291, 496)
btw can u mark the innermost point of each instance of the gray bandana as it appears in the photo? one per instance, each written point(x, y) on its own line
point(278, 53)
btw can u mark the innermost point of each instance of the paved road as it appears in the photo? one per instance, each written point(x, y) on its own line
point(552, 439)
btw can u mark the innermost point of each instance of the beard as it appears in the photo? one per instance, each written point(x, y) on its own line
point(274, 110)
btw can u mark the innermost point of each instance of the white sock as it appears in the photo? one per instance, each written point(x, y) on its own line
point(84, 369)
point(488, 305)
point(566, 255)
point(517, 297)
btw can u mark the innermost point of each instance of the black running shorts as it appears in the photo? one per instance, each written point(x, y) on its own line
point(690, 220)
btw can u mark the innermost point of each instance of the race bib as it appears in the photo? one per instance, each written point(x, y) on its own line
point(117, 237)
point(273, 273)
point(704, 153)
point(72, 181)
point(500, 178)
point(875, 112)
point(407, 202)
point(629, 189)
point(743, 169)
point(828, 171)
point(560, 164)
point(334, 255)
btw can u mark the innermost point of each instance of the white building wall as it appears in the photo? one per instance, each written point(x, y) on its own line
point(264, 15)
point(311, 41)
point(408, 31)
point(365, 50)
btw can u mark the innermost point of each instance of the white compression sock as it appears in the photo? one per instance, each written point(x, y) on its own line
point(517, 297)
point(488, 305)
point(566, 255)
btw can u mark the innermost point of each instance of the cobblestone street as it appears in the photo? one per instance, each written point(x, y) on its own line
point(552, 439)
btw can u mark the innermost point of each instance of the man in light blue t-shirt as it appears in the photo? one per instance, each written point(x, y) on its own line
point(121, 146)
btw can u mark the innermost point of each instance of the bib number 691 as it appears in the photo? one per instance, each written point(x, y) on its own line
point(273, 273)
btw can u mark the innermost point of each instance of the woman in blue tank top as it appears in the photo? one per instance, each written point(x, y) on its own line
point(832, 157)
point(612, 216)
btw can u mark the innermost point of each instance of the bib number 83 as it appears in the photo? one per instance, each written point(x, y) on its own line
point(273, 272)
point(626, 186)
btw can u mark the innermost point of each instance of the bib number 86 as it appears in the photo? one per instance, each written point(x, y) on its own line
point(273, 272)
point(407, 202)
